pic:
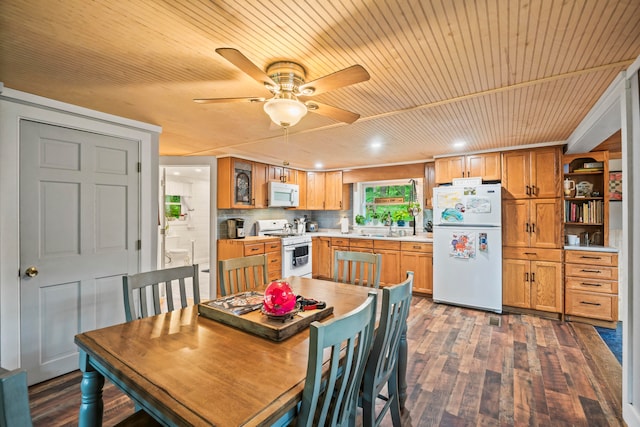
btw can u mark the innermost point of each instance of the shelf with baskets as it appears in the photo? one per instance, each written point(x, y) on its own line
point(586, 200)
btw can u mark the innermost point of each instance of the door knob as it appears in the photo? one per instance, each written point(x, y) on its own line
point(31, 271)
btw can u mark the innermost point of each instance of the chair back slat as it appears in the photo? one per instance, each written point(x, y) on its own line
point(14, 398)
point(147, 294)
point(242, 274)
point(382, 365)
point(357, 268)
point(332, 398)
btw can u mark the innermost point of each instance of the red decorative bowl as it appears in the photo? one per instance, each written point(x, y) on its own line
point(279, 299)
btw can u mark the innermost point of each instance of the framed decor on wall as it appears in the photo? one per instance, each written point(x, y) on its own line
point(615, 186)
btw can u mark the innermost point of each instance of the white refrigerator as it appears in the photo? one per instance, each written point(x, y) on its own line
point(467, 245)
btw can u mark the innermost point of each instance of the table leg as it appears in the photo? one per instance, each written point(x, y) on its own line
point(402, 368)
point(91, 405)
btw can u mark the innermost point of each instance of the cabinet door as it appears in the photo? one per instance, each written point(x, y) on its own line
point(516, 173)
point(545, 217)
point(546, 285)
point(301, 180)
point(486, 166)
point(260, 188)
point(515, 216)
point(321, 257)
point(315, 190)
point(429, 183)
point(516, 290)
point(422, 266)
point(282, 174)
point(390, 267)
point(333, 190)
point(448, 168)
point(545, 173)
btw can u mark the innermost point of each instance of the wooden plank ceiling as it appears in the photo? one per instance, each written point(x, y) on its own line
point(494, 73)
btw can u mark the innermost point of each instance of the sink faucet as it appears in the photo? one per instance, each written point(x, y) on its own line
point(390, 221)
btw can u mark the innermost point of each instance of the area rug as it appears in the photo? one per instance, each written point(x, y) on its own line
point(613, 339)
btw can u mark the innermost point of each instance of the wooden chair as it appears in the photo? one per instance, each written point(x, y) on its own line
point(382, 366)
point(358, 268)
point(14, 398)
point(137, 286)
point(242, 274)
point(332, 399)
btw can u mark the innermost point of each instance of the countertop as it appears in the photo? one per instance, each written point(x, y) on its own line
point(380, 235)
point(590, 248)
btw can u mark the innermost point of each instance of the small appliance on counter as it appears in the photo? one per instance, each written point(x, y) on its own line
point(235, 228)
point(312, 226)
point(299, 225)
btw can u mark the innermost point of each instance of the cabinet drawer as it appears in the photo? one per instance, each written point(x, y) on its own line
point(339, 241)
point(274, 262)
point(594, 258)
point(591, 285)
point(254, 249)
point(274, 275)
point(386, 244)
point(597, 306)
point(416, 247)
point(591, 271)
point(361, 243)
point(270, 247)
point(534, 254)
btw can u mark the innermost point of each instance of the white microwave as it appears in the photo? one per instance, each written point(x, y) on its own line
point(283, 195)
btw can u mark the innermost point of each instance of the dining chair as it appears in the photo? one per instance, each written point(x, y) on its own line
point(382, 365)
point(242, 274)
point(331, 397)
point(358, 268)
point(136, 289)
point(14, 398)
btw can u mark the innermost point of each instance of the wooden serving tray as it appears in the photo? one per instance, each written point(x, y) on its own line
point(259, 324)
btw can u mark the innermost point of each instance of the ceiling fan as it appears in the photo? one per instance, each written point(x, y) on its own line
point(286, 81)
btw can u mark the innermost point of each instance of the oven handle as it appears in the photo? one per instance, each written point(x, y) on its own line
point(292, 248)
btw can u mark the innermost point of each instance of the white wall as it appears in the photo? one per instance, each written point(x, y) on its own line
point(15, 106)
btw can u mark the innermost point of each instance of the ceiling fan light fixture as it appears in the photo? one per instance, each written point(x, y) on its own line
point(285, 110)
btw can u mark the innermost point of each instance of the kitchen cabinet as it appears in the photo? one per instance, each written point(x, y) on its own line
point(390, 264)
point(338, 244)
point(532, 279)
point(532, 223)
point(418, 257)
point(586, 196)
point(242, 184)
point(429, 183)
point(531, 173)
point(325, 191)
point(301, 180)
point(282, 174)
point(591, 286)
point(321, 258)
point(254, 245)
point(485, 165)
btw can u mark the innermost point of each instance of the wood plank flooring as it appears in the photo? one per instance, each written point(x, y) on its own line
point(462, 371)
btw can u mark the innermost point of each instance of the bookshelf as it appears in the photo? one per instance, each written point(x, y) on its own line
point(586, 196)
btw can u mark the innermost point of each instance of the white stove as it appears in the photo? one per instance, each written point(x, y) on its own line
point(296, 247)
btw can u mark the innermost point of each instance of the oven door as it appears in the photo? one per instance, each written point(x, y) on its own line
point(296, 260)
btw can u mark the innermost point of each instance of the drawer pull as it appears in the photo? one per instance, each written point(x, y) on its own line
point(255, 249)
point(591, 271)
point(417, 247)
point(590, 303)
point(591, 284)
point(590, 257)
point(531, 253)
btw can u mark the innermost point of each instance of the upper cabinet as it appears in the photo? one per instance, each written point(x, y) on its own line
point(325, 191)
point(531, 173)
point(235, 183)
point(486, 166)
point(282, 174)
point(429, 183)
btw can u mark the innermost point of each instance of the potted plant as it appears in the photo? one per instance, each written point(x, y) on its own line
point(375, 217)
point(360, 220)
point(413, 208)
point(399, 217)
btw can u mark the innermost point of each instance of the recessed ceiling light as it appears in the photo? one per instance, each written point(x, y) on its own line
point(198, 170)
point(376, 144)
point(176, 173)
point(318, 165)
point(459, 144)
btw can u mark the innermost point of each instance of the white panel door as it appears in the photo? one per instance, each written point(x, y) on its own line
point(79, 228)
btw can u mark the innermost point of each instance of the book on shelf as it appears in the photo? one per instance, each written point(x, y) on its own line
point(578, 170)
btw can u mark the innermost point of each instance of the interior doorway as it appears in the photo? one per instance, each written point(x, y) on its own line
point(187, 217)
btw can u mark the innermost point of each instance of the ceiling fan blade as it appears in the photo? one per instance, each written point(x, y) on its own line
point(224, 100)
point(244, 64)
point(342, 78)
point(334, 113)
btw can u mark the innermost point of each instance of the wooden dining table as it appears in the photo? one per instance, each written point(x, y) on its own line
point(187, 369)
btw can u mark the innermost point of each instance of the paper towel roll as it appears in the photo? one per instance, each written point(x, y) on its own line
point(344, 225)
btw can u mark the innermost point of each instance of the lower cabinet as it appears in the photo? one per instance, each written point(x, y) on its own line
point(321, 257)
point(418, 257)
point(390, 265)
point(591, 285)
point(254, 245)
point(532, 279)
point(273, 249)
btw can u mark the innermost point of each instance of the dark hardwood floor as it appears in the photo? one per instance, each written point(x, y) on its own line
point(463, 370)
